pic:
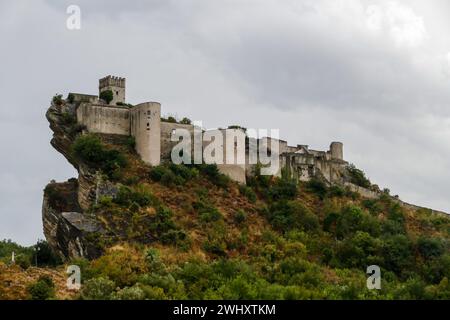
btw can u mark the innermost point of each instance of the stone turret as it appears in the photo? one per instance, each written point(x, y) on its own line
point(336, 151)
point(116, 85)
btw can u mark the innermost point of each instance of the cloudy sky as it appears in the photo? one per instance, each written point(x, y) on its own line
point(372, 74)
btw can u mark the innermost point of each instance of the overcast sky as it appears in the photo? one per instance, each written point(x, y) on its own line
point(372, 74)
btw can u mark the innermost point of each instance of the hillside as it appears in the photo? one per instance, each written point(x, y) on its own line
point(177, 232)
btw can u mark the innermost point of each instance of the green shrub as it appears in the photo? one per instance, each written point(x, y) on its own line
point(42, 289)
point(213, 174)
point(287, 215)
point(24, 261)
point(359, 251)
point(373, 205)
point(44, 255)
point(353, 218)
point(131, 143)
point(58, 99)
point(207, 212)
point(336, 191)
point(185, 121)
point(358, 177)
point(240, 216)
point(183, 171)
point(139, 195)
point(90, 149)
point(97, 289)
point(172, 175)
point(283, 188)
point(317, 187)
point(129, 293)
point(398, 254)
point(107, 96)
point(247, 192)
point(430, 247)
point(156, 173)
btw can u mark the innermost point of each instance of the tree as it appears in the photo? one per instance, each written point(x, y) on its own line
point(42, 289)
point(107, 96)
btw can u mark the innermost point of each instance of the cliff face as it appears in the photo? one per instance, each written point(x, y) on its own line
point(67, 227)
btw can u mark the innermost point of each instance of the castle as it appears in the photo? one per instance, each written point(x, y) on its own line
point(154, 141)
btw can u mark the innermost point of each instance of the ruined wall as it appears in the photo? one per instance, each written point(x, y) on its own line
point(145, 127)
point(80, 97)
point(104, 119)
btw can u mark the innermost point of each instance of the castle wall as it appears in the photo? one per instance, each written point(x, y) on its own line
point(145, 127)
point(166, 132)
point(104, 119)
point(80, 97)
point(234, 170)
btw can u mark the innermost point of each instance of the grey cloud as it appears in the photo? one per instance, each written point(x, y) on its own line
point(307, 67)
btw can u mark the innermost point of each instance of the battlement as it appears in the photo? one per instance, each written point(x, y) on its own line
point(114, 84)
point(112, 81)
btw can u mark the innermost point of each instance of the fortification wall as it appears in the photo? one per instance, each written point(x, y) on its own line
point(166, 132)
point(234, 166)
point(104, 119)
point(80, 97)
point(145, 127)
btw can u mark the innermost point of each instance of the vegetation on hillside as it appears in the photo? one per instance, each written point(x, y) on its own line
point(188, 232)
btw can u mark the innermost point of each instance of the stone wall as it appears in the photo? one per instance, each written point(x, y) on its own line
point(104, 119)
point(166, 132)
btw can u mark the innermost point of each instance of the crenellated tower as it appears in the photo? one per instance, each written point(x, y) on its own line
point(116, 85)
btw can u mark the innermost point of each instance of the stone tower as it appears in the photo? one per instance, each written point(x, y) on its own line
point(145, 127)
point(337, 151)
point(116, 85)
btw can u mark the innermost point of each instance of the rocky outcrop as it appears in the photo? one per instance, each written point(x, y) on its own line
point(70, 234)
point(68, 228)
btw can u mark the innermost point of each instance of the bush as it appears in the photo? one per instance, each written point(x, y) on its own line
point(398, 254)
point(240, 216)
point(283, 188)
point(358, 177)
point(129, 293)
point(207, 212)
point(352, 219)
point(287, 215)
point(247, 192)
point(107, 96)
point(373, 205)
point(430, 247)
point(214, 175)
point(97, 289)
point(139, 195)
point(172, 175)
point(317, 187)
point(185, 121)
point(90, 149)
point(336, 191)
point(58, 99)
point(42, 289)
point(183, 171)
point(131, 143)
point(44, 255)
point(359, 251)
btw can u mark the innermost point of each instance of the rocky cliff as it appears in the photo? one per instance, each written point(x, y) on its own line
point(67, 226)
